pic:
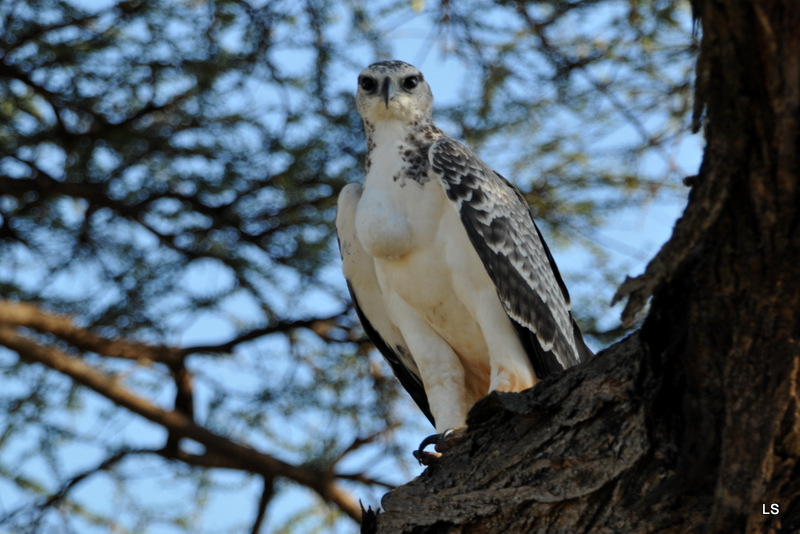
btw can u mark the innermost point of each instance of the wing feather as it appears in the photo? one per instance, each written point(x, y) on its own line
point(393, 356)
point(508, 242)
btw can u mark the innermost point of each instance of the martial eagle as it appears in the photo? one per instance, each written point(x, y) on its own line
point(447, 270)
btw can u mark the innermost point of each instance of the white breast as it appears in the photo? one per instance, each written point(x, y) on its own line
point(395, 215)
point(382, 227)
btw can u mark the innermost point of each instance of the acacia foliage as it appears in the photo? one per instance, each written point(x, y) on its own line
point(168, 175)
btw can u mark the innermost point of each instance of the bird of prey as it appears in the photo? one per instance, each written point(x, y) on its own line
point(448, 272)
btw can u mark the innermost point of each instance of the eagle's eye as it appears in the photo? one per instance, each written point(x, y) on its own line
point(411, 82)
point(367, 84)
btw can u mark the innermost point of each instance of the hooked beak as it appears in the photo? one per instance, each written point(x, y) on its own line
point(387, 90)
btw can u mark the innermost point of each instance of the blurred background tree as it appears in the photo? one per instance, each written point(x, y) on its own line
point(177, 349)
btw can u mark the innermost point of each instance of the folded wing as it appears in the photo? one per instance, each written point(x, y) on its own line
point(508, 242)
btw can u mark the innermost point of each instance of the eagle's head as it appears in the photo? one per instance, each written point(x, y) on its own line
point(393, 90)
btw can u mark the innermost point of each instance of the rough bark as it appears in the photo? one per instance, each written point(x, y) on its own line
point(693, 423)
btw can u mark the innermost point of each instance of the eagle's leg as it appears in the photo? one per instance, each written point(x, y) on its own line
point(440, 442)
point(439, 367)
point(511, 368)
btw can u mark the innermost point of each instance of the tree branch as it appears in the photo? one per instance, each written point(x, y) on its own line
point(266, 496)
point(280, 326)
point(226, 453)
point(31, 316)
point(105, 465)
point(705, 206)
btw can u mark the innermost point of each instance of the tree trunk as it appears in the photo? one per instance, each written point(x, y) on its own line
point(692, 424)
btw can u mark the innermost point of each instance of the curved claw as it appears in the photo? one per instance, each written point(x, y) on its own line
point(439, 441)
point(433, 439)
point(424, 457)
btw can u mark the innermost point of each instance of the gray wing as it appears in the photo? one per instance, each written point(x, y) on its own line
point(501, 228)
